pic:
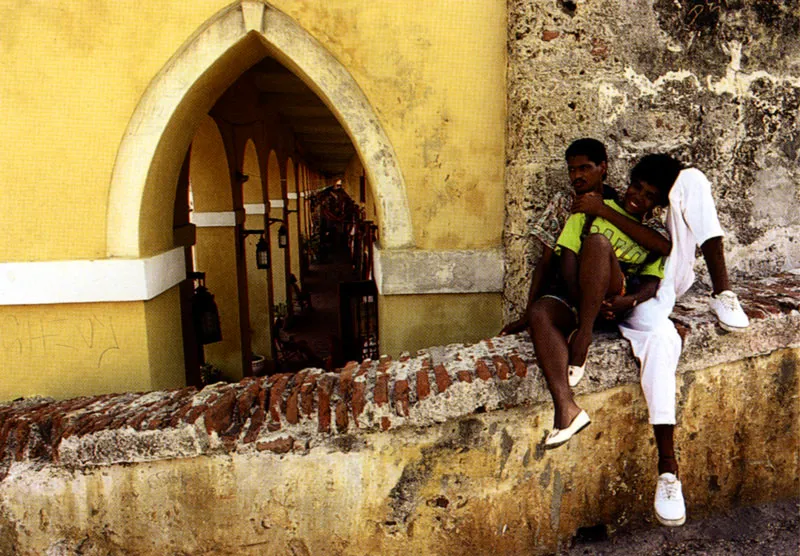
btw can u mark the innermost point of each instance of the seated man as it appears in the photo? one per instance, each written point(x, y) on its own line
point(600, 262)
point(692, 221)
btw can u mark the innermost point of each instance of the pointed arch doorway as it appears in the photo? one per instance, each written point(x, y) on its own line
point(153, 150)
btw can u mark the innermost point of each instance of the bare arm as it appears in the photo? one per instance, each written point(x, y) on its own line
point(592, 204)
point(620, 303)
point(540, 272)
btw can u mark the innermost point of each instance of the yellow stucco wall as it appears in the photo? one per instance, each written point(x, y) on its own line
point(435, 73)
point(412, 322)
point(478, 484)
point(208, 170)
point(215, 246)
point(164, 342)
point(69, 350)
point(257, 292)
point(273, 177)
point(74, 73)
point(216, 257)
point(256, 279)
point(293, 222)
point(278, 262)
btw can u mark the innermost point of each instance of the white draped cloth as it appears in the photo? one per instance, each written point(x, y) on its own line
point(691, 220)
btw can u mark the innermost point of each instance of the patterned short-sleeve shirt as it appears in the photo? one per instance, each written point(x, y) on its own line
point(547, 227)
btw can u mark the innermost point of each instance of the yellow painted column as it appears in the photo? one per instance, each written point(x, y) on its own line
point(256, 278)
point(276, 211)
point(294, 219)
point(215, 249)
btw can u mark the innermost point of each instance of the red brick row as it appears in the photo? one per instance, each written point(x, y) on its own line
point(240, 410)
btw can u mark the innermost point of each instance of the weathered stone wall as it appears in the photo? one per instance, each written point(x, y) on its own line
point(715, 83)
point(436, 454)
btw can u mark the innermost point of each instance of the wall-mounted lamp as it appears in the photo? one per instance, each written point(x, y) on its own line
point(205, 314)
point(241, 176)
point(283, 233)
point(283, 237)
point(262, 249)
point(262, 254)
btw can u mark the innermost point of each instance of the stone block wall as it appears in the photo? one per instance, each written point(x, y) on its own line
point(438, 453)
point(715, 83)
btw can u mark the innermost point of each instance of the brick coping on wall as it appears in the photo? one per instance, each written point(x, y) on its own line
point(296, 412)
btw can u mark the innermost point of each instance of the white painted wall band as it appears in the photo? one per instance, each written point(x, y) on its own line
point(213, 219)
point(255, 208)
point(228, 219)
point(110, 280)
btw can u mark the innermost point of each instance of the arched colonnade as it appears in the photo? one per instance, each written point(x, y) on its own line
point(184, 106)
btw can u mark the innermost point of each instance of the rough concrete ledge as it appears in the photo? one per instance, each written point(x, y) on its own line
point(296, 412)
point(465, 271)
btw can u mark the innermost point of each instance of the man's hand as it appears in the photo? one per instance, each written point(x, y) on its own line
point(588, 203)
point(514, 327)
point(615, 304)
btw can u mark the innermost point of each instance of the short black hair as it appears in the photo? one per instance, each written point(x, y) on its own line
point(660, 170)
point(592, 149)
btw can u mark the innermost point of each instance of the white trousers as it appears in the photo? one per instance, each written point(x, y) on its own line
point(691, 220)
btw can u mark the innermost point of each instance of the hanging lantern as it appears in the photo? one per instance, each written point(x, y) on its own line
point(205, 316)
point(283, 237)
point(262, 254)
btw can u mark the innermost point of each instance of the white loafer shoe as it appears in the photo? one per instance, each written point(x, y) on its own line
point(575, 374)
point(561, 436)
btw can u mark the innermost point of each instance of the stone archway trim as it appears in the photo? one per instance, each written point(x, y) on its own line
point(457, 271)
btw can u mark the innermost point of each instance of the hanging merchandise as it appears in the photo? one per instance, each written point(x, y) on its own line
point(205, 314)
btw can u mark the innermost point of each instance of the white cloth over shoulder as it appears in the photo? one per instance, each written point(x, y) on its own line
point(691, 220)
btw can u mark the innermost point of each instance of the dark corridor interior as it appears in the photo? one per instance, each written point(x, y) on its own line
point(312, 335)
point(334, 317)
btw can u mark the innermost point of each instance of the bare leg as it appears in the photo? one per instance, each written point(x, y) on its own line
point(599, 275)
point(714, 254)
point(549, 322)
point(666, 449)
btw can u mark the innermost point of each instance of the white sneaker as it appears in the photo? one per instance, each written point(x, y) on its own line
point(729, 311)
point(669, 505)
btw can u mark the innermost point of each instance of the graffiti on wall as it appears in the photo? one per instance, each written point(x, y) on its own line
point(91, 338)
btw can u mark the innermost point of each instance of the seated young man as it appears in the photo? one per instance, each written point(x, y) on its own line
point(587, 163)
point(692, 221)
point(599, 261)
